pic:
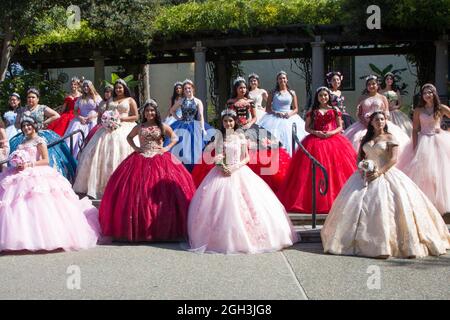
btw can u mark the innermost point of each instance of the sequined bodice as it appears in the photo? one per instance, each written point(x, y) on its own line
point(428, 124)
point(242, 111)
point(30, 146)
point(233, 148)
point(37, 113)
point(281, 102)
point(123, 107)
point(85, 106)
point(150, 140)
point(377, 152)
point(70, 101)
point(325, 121)
point(189, 110)
point(372, 104)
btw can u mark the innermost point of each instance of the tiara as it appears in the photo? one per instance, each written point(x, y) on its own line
point(28, 117)
point(15, 94)
point(109, 87)
point(88, 82)
point(238, 79)
point(371, 77)
point(429, 85)
point(33, 90)
point(253, 75)
point(122, 82)
point(228, 112)
point(151, 102)
point(75, 79)
point(188, 81)
point(178, 83)
point(323, 88)
point(281, 72)
point(389, 74)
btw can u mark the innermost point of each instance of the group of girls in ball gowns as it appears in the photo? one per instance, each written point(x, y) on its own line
point(228, 205)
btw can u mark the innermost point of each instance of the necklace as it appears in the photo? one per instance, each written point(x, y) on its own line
point(428, 111)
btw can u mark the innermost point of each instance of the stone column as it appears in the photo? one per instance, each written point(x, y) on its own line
point(200, 76)
point(99, 70)
point(318, 63)
point(441, 68)
point(223, 82)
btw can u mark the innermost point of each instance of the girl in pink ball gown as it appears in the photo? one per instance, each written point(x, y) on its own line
point(148, 195)
point(370, 102)
point(234, 210)
point(426, 160)
point(39, 210)
point(332, 149)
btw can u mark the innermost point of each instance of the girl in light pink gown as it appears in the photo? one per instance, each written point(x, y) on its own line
point(382, 213)
point(234, 210)
point(426, 160)
point(369, 103)
point(38, 208)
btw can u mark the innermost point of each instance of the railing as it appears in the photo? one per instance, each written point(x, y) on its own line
point(323, 183)
point(62, 140)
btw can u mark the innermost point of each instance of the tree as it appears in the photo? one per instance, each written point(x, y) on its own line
point(18, 19)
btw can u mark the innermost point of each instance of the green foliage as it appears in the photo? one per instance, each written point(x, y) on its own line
point(223, 15)
point(51, 91)
point(380, 73)
point(128, 79)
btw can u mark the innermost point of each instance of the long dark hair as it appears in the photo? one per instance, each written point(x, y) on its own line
point(316, 104)
point(153, 104)
point(394, 84)
point(174, 93)
point(232, 114)
point(369, 134)
point(436, 100)
point(330, 75)
point(236, 85)
point(126, 90)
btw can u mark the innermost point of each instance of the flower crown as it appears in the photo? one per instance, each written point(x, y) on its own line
point(228, 112)
point(331, 74)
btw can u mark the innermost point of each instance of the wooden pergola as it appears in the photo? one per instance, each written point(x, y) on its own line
point(283, 42)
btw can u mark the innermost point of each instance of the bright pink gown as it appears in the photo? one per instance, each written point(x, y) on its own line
point(429, 165)
point(335, 153)
point(40, 211)
point(60, 125)
point(148, 195)
point(239, 213)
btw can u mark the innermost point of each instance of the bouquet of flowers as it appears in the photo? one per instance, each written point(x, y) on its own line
point(111, 119)
point(19, 158)
point(367, 166)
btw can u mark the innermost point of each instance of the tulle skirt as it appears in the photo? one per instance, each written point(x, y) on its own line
point(11, 131)
point(269, 164)
point(237, 214)
point(336, 154)
point(282, 129)
point(101, 156)
point(357, 131)
point(75, 124)
point(429, 167)
point(59, 154)
point(40, 211)
point(61, 124)
point(147, 199)
point(260, 113)
point(401, 120)
point(191, 141)
point(389, 217)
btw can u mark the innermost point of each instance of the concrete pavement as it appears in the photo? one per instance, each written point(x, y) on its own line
point(168, 271)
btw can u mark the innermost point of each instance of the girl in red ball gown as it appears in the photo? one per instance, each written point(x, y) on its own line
point(148, 195)
point(60, 126)
point(333, 150)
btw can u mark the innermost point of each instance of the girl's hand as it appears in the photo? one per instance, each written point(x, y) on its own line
point(370, 176)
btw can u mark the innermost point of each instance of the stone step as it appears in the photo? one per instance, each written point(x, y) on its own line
point(300, 219)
